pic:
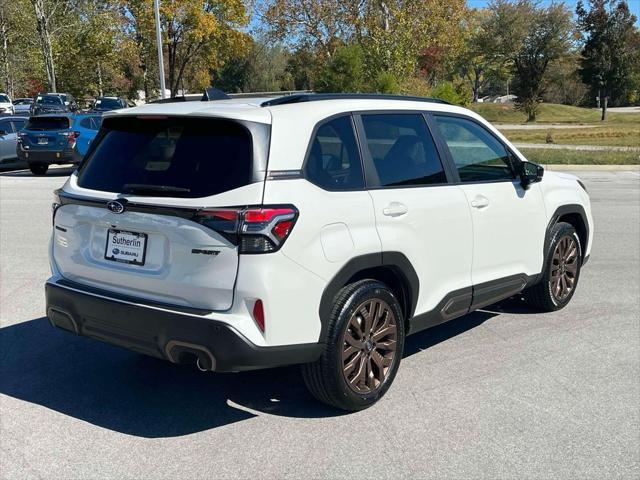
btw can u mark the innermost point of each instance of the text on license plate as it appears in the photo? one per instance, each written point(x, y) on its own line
point(43, 140)
point(126, 247)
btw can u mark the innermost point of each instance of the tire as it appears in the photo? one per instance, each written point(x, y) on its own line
point(373, 349)
point(562, 268)
point(38, 168)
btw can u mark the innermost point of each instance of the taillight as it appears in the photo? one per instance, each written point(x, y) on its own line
point(253, 229)
point(71, 138)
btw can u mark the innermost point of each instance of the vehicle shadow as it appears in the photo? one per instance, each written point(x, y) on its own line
point(52, 172)
point(130, 393)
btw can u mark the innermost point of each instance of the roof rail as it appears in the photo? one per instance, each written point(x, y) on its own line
point(316, 97)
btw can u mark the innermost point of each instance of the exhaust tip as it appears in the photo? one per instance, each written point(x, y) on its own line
point(185, 353)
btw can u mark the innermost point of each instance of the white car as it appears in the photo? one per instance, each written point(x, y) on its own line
point(313, 229)
point(6, 105)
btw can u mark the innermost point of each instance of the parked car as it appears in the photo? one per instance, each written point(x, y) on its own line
point(22, 105)
point(9, 127)
point(105, 104)
point(46, 140)
point(310, 229)
point(45, 103)
point(6, 105)
point(68, 100)
point(87, 126)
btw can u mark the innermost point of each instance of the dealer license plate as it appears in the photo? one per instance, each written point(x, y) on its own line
point(126, 247)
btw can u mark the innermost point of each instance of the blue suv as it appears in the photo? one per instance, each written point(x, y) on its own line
point(46, 140)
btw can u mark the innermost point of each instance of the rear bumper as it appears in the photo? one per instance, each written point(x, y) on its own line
point(49, 157)
point(172, 335)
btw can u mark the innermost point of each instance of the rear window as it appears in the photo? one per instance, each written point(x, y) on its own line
point(49, 100)
point(175, 157)
point(113, 103)
point(48, 123)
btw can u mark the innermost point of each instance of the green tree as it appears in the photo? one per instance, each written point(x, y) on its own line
point(200, 36)
point(610, 56)
point(530, 38)
point(344, 71)
point(479, 60)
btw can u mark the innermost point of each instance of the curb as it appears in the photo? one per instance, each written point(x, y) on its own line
point(601, 168)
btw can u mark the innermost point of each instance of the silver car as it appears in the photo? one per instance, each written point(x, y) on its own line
point(9, 127)
point(22, 105)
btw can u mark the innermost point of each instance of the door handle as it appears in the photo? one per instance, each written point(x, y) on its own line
point(480, 202)
point(395, 209)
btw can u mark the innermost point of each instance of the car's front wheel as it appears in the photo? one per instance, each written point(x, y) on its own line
point(38, 168)
point(363, 348)
point(561, 272)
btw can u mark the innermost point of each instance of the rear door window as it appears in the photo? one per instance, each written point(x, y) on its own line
point(402, 150)
point(174, 157)
point(18, 124)
point(48, 123)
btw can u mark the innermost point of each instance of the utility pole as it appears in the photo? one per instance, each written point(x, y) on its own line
point(156, 7)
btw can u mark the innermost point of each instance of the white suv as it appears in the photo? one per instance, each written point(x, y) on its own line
point(313, 229)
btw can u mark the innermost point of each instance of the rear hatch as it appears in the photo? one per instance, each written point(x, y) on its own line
point(152, 211)
point(46, 133)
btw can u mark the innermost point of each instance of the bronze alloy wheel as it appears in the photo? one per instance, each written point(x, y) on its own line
point(564, 268)
point(369, 346)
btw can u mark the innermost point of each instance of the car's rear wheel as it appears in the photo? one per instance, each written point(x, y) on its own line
point(363, 349)
point(561, 272)
point(38, 168)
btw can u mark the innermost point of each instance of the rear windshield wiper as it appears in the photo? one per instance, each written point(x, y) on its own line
point(152, 189)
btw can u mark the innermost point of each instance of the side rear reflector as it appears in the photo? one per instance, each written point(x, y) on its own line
point(258, 314)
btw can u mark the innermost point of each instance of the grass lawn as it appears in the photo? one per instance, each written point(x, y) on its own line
point(573, 157)
point(626, 135)
point(552, 113)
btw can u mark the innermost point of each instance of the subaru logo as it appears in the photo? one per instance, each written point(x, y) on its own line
point(115, 207)
point(116, 251)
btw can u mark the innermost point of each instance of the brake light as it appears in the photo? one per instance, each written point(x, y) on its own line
point(253, 229)
point(71, 138)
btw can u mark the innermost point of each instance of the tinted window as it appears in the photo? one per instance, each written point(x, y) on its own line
point(4, 99)
point(477, 154)
point(111, 103)
point(402, 150)
point(48, 123)
point(49, 100)
point(334, 161)
point(5, 126)
point(186, 157)
point(91, 123)
point(18, 124)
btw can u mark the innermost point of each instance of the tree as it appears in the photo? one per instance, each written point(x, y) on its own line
point(344, 71)
point(610, 57)
point(200, 36)
point(479, 59)
point(51, 17)
point(530, 37)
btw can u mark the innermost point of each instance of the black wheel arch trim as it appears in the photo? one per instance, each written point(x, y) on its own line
point(560, 212)
point(396, 261)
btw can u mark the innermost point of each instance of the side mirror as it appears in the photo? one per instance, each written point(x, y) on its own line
point(530, 173)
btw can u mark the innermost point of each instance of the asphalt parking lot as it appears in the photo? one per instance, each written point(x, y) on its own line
point(501, 393)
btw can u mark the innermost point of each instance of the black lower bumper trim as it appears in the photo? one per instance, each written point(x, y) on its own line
point(165, 334)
